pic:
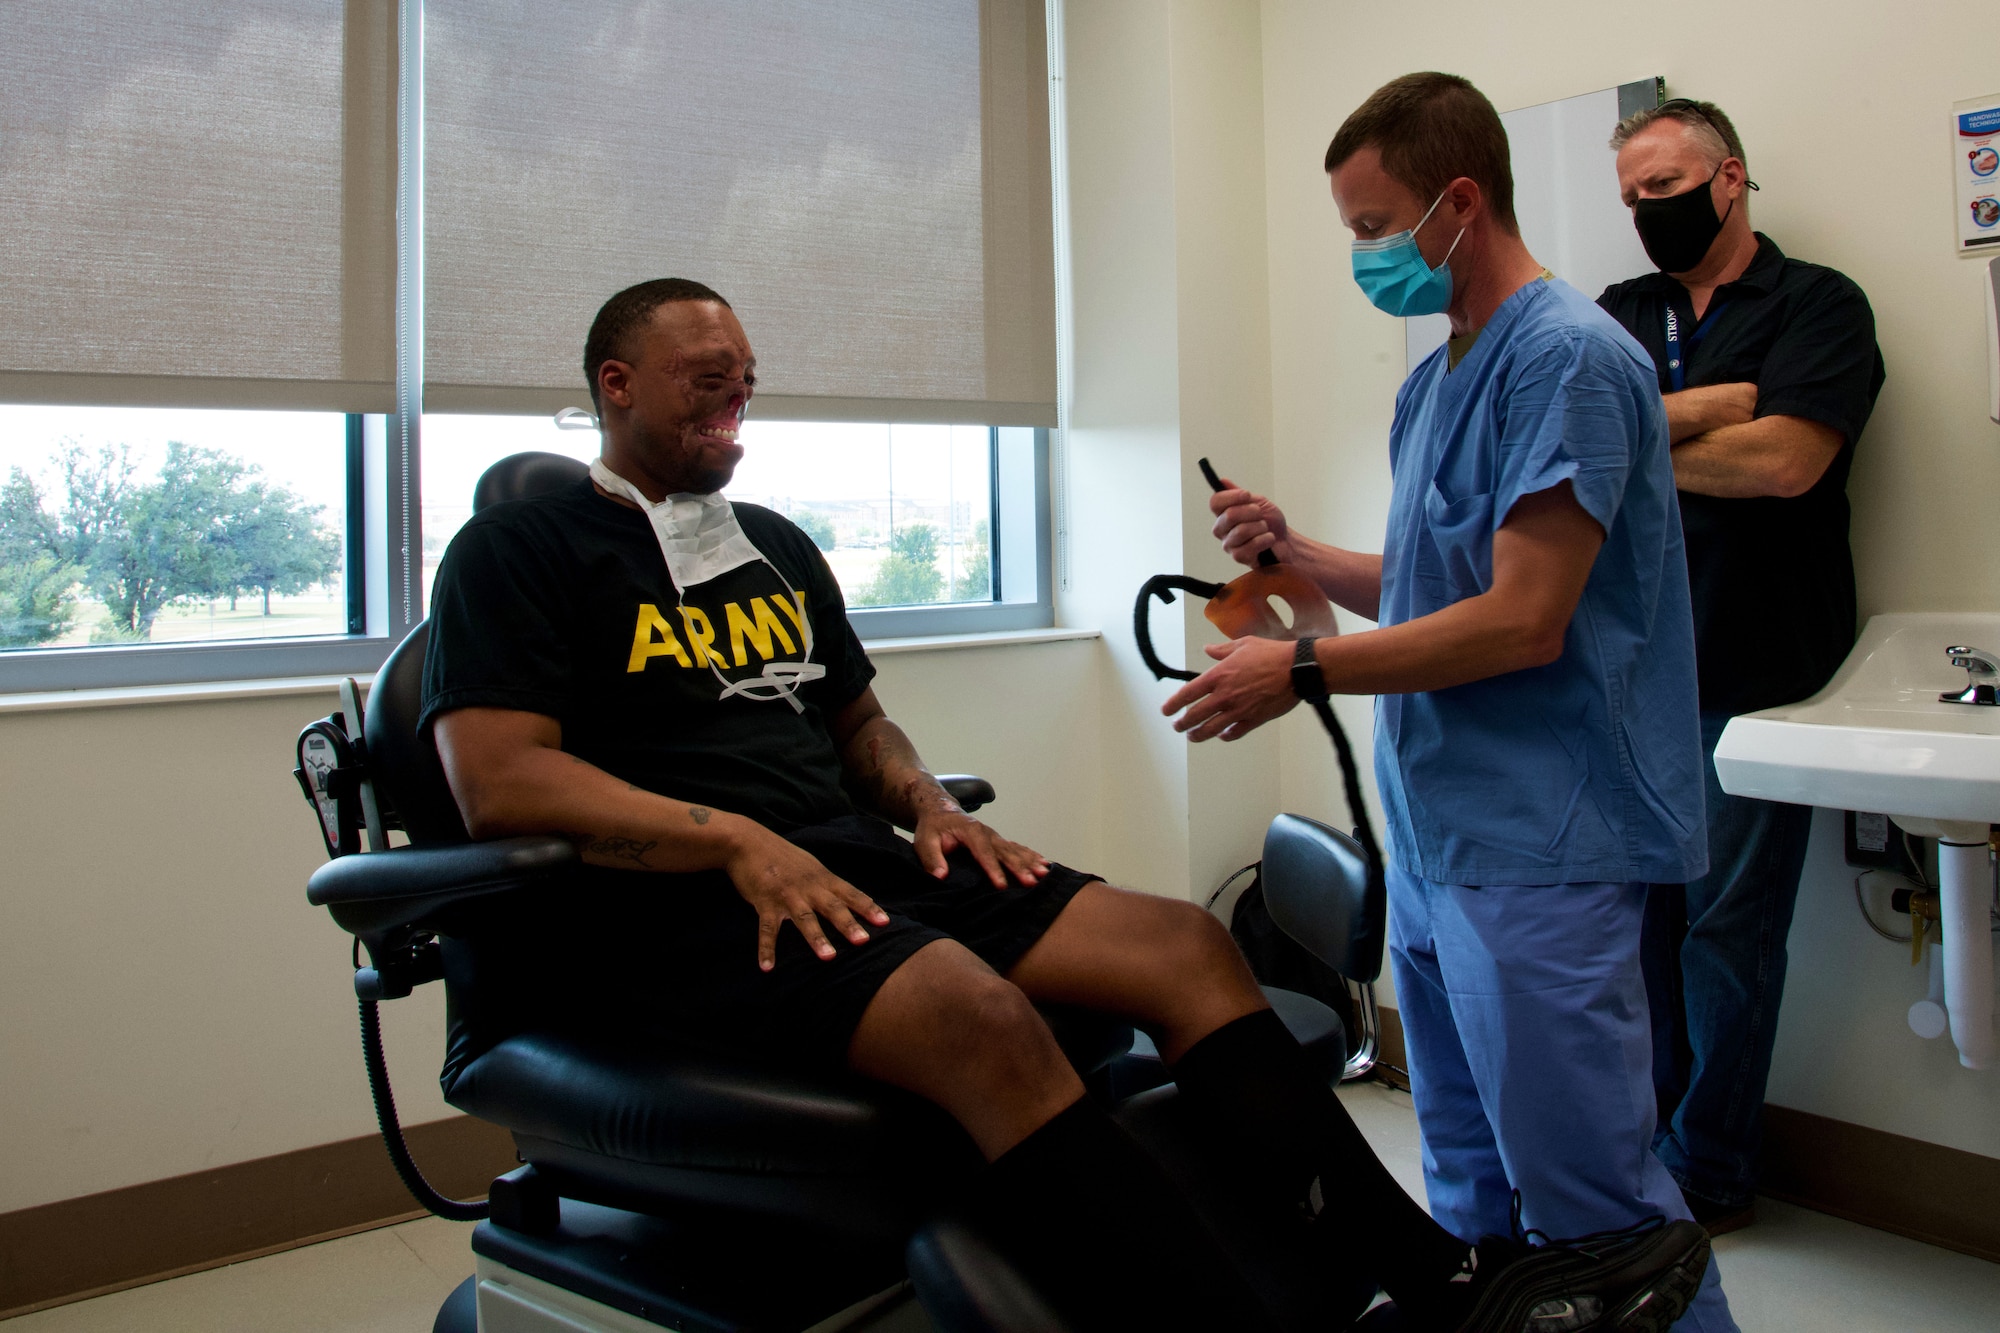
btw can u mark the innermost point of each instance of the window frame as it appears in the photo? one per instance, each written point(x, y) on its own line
point(384, 518)
point(366, 551)
point(383, 530)
point(991, 617)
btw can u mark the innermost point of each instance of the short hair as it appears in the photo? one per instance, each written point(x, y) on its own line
point(1710, 127)
point(628, 312)
point(1431, 129)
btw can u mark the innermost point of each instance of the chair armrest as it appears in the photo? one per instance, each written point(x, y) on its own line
point(970, 792)
point(371, 893)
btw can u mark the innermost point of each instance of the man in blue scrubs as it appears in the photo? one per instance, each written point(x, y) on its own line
point(1536, 745)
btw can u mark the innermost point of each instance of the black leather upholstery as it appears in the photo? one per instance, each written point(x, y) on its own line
point(1316, 885)
point(646, 1130)
point(640, 1129)
point(524, 476)
point(970, 792)
point(694, 1110)
point(368, 894)
point(408, 777)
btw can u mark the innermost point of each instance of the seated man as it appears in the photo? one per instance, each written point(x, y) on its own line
point(670, 680)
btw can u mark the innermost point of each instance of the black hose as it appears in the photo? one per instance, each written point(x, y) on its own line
point(452, 1210)
point(1350, 781)
point(1162, 586)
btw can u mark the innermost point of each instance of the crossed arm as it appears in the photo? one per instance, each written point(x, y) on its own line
point(511, 776)
point(1722, 448)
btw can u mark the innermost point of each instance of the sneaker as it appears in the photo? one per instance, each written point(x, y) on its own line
point(1638, 1280)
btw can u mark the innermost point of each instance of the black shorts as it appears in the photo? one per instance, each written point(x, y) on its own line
point(675, 956)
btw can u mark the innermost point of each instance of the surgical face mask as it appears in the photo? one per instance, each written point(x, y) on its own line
point(1391, 271)
point(1678, 229)
point(701, 540)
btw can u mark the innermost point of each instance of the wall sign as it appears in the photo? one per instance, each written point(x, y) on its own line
point(1975, 152)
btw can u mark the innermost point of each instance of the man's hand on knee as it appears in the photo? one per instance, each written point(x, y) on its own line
point(941, 831)
point(784, 884)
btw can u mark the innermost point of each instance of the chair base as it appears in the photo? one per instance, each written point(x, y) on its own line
point(604, 1270)
point(499, 1300)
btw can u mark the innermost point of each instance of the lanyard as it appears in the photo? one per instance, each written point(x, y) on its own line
point(1677, 359)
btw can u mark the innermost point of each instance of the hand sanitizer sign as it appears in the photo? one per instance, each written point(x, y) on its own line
point(1975, 146)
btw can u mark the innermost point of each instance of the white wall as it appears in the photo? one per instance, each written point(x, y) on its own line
point(1843, 110)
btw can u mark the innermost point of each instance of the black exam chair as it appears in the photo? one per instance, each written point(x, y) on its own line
point(1317, 887)
point(676, 1189)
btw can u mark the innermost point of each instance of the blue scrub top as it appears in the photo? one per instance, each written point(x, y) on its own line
point(1588, 768)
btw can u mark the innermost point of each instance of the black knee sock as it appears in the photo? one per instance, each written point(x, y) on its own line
point(1252, 1080)
point(1115, 1244)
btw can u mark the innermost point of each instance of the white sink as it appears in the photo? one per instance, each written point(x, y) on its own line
point(1877, 738)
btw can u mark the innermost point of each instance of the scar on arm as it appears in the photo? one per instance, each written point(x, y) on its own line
point(924, 790)
point(624, 849)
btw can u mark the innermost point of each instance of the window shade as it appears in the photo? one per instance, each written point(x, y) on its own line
point(198, 203)
point(866, 182)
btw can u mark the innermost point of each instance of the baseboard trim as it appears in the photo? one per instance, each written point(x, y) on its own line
point(1926, 1191)
point(73, 1249)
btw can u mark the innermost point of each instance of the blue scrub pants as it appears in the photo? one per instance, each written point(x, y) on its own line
point(1715, 968)
point(1525, 1020)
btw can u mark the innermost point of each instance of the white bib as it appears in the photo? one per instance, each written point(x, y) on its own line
point(701, 540)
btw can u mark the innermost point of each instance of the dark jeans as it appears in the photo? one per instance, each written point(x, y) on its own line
point(1714, 954)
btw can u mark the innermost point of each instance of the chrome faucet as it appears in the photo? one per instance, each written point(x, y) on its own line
point(1981, 669)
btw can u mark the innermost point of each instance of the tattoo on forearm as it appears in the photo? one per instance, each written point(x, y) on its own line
point(699, 813)
point(624, 849)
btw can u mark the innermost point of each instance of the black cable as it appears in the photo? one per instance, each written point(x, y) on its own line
point(392, 1130)
point(1350, 781)
point(1223, 887)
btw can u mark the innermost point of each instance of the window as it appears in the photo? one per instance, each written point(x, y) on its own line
point(287, 239)
point(929, 528)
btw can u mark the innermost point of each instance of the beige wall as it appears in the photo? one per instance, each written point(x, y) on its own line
point(1843, 110)
point(168, 1001)
point(1170, 363)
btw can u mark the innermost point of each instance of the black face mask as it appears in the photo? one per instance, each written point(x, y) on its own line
point(1678, 230)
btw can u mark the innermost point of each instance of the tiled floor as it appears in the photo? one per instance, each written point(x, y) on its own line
point(1794, 1272)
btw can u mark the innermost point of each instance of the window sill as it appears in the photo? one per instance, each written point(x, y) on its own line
point(199, 692)
point(995, 639)
point(221, 690)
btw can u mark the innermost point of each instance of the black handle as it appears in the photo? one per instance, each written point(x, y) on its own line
point(1162, 586)
point(1264, 557)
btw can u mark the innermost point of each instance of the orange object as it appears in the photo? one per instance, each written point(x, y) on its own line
point(1245, 607)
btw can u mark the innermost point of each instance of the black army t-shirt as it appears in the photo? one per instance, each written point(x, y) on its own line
point(562, 605)
point(1772, 578)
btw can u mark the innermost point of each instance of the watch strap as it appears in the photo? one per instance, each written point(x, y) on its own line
point(1308, 681)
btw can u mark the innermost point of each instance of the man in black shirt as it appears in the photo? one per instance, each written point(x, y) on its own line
point(1769, 370)
point(670, 680)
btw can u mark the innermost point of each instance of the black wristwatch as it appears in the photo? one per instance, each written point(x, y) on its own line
point(1308, 681)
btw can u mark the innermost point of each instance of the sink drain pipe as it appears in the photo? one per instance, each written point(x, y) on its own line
point(1965, 899)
